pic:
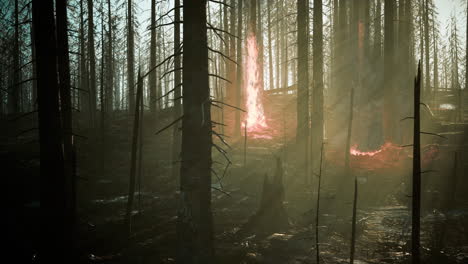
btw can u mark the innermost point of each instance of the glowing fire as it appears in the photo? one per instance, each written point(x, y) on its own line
point(355, 152)
point(255, 119)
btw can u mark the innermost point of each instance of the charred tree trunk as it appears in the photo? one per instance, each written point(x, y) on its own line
point(84, 79)
point(92, 65)
point(152, 76)
point(130, 58)
point(388, 111)
point(237, 125)
point(270, 48)
point(110, 62)
point(302, 132)
point(349, 133)
point(53, 232)
point(177, 91)
point(133, 158)
point(14, 94)
point(194, 222)
point(317, 94)
point(353, 229)
point(260, 45)
point(63, 64)
point(416, 196)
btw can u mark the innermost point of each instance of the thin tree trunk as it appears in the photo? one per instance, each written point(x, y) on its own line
point(14, 95)
point(317, 213)
point(416, 196)
point(260, 45)
point(317, 94)
point(270, 49)
point(349, 133)
point(388, 112)
point(130, 58)
point(152, 75)
point(92, 64)
point(133, 158)
point(110, 63)
point(353, 229)
point(237, 125)
point(177, 92)
point(302, 133)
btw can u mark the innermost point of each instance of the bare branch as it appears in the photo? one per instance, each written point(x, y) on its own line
point(218, 102)
point(168, 126)
point(433, 134)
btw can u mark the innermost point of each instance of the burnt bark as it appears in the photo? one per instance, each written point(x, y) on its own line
point(194, 222)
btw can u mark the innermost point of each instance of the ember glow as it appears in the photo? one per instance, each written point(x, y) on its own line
point(255, 119)
point(355, 152)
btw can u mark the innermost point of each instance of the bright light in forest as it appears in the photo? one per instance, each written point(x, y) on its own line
point(255, 119)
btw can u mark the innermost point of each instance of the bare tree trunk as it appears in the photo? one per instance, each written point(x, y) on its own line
point(260, 45)
point(237, 125)
point(302, 133)
point(270, 48)
point(110, 62)
point(416, 196)
point(130, 58)
point(133, 158)
point(317, 94)
point(353, 229)
point(388, 112)
point(63, 64)
point(14, 94)
point(194, 222)
point(152, 75)
point(350, 129)
point(177, 92)
point(92, 65)
point(53, 197)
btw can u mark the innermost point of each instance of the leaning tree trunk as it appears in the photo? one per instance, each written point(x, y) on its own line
point(416, 197)
point(133, 158)
point(194, 222)
point(53, 218)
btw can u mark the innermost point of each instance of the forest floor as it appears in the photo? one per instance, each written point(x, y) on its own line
point(383, 229)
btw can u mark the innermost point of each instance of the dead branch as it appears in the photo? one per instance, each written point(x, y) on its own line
point(218, 102)
point(168, 126)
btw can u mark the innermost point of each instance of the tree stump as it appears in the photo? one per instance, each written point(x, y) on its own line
point(271, 215)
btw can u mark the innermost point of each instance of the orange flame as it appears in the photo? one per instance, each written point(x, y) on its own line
point(355, 152)
point(255, 119)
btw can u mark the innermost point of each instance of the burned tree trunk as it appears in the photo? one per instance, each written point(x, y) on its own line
point(133, 158)
point(317, 94)
point(237, 125)
point(302, 133)
point(177, 91)
point(152, 76)
point(353, 229)
point(416, 197)
point(92, 65)
point(388, 111)
point(130, 58)
point(194, 222)
point(271, 215)
point(53, 231)
point(63, 64)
